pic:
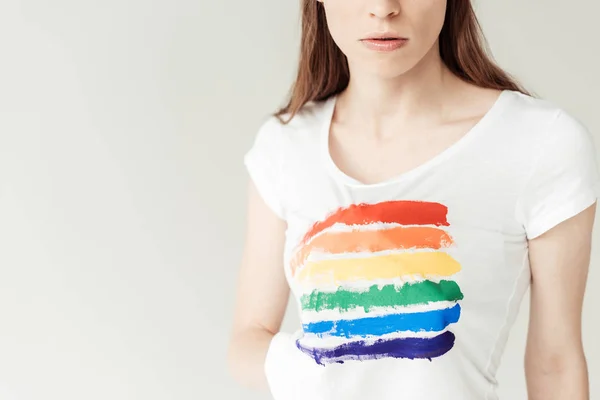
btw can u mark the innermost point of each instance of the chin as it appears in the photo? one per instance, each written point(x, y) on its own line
point(389, 69)
point(386, 66)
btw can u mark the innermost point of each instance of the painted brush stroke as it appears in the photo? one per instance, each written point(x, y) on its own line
point(424, 292)
point(395, 238)
point(377, 277)
point(388, 266)
point(427, 321)
point(411, 348)
point(397, 211)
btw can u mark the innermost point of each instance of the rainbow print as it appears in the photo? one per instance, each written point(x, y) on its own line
point(376, 282)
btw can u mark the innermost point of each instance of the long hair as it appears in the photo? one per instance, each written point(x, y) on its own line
point(323, 68)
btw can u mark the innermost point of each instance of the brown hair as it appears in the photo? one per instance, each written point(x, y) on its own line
point(323, 68)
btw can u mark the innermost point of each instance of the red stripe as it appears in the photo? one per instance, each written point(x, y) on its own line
point(403, 212)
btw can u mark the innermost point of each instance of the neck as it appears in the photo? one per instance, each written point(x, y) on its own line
point(417, 95)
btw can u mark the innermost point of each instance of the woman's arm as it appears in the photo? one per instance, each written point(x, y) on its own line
point(555, 364)
point(262, 293)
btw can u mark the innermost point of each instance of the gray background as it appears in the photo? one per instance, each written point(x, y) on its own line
point(122, 191)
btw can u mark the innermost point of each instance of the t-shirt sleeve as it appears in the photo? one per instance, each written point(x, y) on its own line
point(264, 164)
point(564, 180)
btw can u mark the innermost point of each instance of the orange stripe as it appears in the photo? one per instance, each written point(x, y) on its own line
point(373, 240)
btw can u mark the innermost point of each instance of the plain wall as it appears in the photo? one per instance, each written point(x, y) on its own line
point(122, 190)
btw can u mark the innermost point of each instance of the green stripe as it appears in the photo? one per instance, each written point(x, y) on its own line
point(387, 296)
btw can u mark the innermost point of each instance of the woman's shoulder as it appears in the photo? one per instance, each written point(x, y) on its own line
point(280, 134)
point(302, 130)
point(533, 120)
point(279, 148)
point(307, 120)
point(529, 108)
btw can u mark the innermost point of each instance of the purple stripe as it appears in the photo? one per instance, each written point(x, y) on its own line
point(410, 347)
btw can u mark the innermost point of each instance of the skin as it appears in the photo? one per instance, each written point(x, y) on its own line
point(407, 103)
point(555, 364)
point(262, 293)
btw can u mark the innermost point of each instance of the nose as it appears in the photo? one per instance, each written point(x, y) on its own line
point(384, 8)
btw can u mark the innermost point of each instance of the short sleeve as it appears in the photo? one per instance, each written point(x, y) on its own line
point(564, 180)
point(264, 162)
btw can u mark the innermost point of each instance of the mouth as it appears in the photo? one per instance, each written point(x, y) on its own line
point(384, 36)
point(384, 42)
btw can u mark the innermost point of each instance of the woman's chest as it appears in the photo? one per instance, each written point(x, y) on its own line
point(347, 237)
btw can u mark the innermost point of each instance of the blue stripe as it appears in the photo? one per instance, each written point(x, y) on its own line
point(427, 321)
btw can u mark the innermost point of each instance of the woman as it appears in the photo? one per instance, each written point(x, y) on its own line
point(408, 195)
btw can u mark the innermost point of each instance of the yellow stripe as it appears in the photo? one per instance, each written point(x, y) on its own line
point(389, 266)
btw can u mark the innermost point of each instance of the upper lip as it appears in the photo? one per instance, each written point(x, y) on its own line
point(383, 35)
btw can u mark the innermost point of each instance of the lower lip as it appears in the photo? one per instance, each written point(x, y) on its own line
point(384, 45)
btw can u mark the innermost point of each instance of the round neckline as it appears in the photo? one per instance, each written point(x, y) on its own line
point(471, 134)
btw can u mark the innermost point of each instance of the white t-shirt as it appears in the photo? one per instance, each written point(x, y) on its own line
point(407, 289)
